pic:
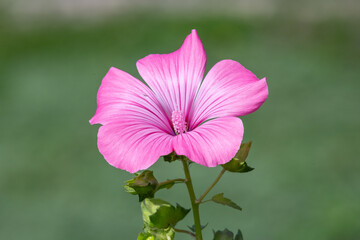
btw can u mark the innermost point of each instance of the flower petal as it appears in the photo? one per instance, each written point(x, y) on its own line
point(121, 95)
point(131, 145)
point(229, 89)
point(212, 143)
point(175, 77)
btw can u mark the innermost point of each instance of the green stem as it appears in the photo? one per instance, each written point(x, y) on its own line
point(184, 231)
point(176, 180)
point(195, 206)
point(209, 200)
point(212, 185)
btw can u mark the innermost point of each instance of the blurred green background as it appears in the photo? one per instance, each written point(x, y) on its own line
point(55, 185)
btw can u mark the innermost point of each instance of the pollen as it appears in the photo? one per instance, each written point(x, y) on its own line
point(178, 121)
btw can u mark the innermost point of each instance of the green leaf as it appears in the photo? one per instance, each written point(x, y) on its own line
point(165, 216)
point(179, 214)
point(158, 213)
point(227, 235)
point(145, 236)
point(150, 207)
point(144, 185)
point(159, 219)
point(219, 198)
point(223, 235)
point(192, 228)
point(239, 236)
point(163, 234)
point(237, 163)
point(157, 234)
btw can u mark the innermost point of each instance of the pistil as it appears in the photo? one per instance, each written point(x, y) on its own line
point(178, 121)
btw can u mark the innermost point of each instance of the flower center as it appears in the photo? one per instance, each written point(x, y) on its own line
point(178, 122)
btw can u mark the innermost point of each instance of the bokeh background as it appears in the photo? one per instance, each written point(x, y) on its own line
point(55, 185)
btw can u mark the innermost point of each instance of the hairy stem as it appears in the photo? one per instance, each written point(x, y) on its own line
point(184, 231)
point(195, 206)
point(211, 186)
point(176, 180)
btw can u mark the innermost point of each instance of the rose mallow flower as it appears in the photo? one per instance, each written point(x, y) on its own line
point(178, 110)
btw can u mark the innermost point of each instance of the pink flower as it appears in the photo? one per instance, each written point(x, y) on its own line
point(178, 111)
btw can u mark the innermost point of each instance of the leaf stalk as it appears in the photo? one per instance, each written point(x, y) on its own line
point(199, 201)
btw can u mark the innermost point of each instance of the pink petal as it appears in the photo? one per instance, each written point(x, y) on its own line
point(123, 96)
point(175, 77)
point(136, 129)
point(212, 143)
point(131, 145)
point(229, 89)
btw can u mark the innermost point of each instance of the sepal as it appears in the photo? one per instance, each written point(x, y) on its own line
point(171, 157)
point(237, 163)
point(144, 185)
